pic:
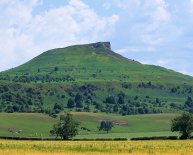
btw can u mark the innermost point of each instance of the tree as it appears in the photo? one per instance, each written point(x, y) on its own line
point(79, 100)
point(70, 103)
point(106, 126)
point(121, 98)
point(189, 105)
point(58, 106)
point(56, 69)
point(115, 108)
point(183, 124)
point(110, 99)
point(66, 128)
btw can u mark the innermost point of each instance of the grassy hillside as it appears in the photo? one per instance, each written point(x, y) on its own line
point(39, 125)
point(95, 62)
point(93, 78)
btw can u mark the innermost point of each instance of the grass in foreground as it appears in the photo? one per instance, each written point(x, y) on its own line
point(96, 147)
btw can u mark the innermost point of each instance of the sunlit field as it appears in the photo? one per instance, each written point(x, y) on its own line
point(8, 147)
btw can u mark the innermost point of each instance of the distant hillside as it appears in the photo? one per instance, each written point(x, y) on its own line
point(93, 78)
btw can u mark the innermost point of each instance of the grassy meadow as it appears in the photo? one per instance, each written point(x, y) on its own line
point(96, 147)
point(39, 125)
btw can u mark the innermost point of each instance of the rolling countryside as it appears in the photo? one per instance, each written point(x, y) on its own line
point(93, 83)
point(96, 77)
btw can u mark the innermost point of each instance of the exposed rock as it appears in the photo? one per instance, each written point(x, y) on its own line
point(106, 45)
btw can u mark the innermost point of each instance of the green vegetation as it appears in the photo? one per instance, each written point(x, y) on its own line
point(92, 78)
point(66, 128)
point(106, 126)
point(25, 125)
point(39, 125)
point(183, 124)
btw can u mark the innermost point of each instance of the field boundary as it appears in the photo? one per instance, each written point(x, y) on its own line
point(97, 139)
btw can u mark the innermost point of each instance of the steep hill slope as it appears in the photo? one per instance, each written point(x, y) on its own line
point(93, 78)
point(95, 62)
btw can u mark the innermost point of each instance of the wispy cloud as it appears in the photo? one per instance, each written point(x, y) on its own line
point(133, 49)
point(24, 34)
point(152, 31)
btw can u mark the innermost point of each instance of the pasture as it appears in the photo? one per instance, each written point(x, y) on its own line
point(39, 125)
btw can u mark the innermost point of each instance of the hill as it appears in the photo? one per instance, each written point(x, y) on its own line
point(93, 78)
point(94, 62)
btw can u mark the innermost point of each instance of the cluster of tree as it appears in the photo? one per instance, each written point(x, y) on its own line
point(77, 101)
point(128, 109)
point(12, 100)
point(126, 85)
point(19, 97)
point(43, 78)
point(146, 85)
point(83, 98)
point(122, 104)
point(105, 126)
point(38, 78)
point(22, 98)
point(58, 107)
point(188, 106)
point(184, 89)
point(119, 99)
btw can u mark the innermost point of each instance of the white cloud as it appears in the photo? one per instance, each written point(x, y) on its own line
point(161, 14)
point(128, 50)
point(163, 62)
point(24, 34)
point(159, 18)
point(133, 49)
point(163, 26)
point(146, 18)
point(122, 4)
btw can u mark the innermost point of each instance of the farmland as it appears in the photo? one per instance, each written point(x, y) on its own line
point(39, 125)
point(95, 147)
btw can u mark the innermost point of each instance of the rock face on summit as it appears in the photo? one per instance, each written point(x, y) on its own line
point(106, 45)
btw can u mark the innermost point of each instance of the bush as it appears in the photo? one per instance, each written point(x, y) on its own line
point(120, 139)
point(103, 139)
point(156, 138)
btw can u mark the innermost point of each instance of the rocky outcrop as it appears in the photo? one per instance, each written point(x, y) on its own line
point(106, 45)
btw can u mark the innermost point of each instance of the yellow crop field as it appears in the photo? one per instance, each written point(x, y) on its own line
point(9, 147)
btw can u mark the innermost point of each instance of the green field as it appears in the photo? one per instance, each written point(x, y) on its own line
point(39, 125)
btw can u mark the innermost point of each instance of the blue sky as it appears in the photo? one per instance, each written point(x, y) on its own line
point(158, 32)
